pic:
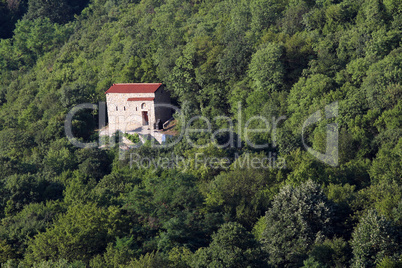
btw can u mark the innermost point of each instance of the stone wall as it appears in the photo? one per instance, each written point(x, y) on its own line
point(125, 115)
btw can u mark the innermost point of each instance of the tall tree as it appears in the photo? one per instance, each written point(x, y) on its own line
point(374, 239)
point(298, 218)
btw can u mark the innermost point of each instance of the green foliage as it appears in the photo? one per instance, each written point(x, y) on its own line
point(6, 251)
point(74, 94)
point(267, 72)
point(382, 82)
point(94, 163)
point(79, 234)
point(117, 254)
point(298, 218)
point(331, 253)
point(20, 190)
point(62, 263)
point(112, 187)
point(171, 204)
point(57, 11)
point(344, 197)
point(384, 197)
point(277, 58)
point(139, 70)
point(34, 38)
point(387, 262)
point(387, 153)
point(242, 193)
point(19, 228)
point(132, 137)
point(231, 246)
point(180, 257)
point(311, 263)
point(259, 228)
point(265, 13)
point(149, 260)
point(374, 239)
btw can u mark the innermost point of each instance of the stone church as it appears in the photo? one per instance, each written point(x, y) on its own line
point(137, 105)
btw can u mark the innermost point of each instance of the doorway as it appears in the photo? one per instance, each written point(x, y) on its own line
point(144, 118)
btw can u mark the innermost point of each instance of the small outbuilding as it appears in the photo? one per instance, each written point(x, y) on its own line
point(134, 105)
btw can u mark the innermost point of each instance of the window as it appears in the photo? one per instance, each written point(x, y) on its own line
point(143, 106)
point(136, 109)
point(117, 108)
point(124, 108)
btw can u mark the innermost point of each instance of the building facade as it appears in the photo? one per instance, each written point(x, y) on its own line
point(134, 105)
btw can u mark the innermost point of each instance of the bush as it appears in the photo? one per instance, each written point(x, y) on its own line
point(132, 137)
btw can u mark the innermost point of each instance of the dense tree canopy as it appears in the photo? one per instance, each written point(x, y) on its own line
point(256, 64)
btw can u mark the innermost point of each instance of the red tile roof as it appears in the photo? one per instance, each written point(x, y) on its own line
point(134, 88)
point(140, 99)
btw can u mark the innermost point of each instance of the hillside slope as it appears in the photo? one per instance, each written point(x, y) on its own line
point(232, 58)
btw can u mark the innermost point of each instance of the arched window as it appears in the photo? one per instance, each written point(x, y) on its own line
point(136, 108)
point(124, 108)
point(143, 106)
point(117, 108)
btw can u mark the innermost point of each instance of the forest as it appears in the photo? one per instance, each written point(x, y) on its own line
point(64, 206)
